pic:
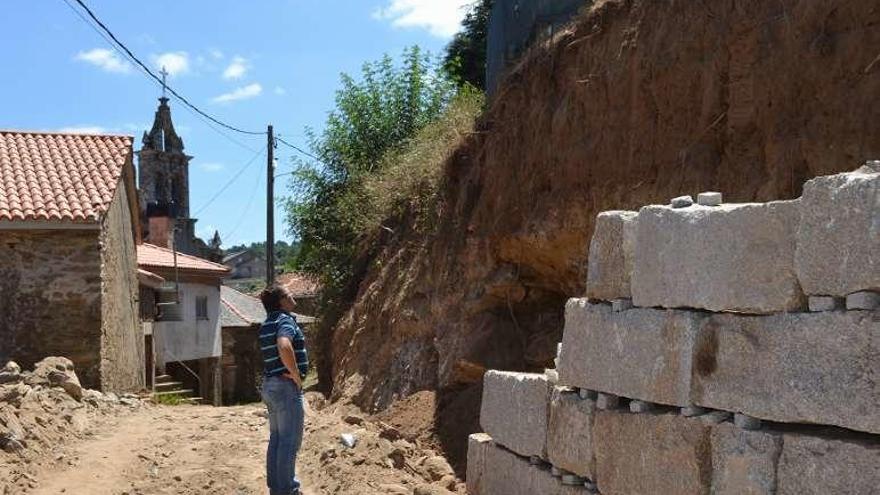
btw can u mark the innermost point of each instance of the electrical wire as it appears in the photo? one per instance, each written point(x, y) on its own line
point(229, 182)
point(246, 210)
point(150, 73)
point(297, 148)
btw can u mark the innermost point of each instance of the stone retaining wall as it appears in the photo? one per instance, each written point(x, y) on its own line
point(721, 349)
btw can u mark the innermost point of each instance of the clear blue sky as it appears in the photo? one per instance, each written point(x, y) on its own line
point(246, 62)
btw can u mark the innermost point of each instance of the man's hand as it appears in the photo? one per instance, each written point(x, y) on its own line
point(285, 352)
point(296, 379)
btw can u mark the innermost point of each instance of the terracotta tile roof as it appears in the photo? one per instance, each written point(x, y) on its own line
point(59, 177)
point(299, 284)
point(149, 279)
point(150, 256)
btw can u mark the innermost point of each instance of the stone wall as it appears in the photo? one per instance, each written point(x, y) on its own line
point(50, 298)
point(723, 348)
point(242, 365)
point(122, 343)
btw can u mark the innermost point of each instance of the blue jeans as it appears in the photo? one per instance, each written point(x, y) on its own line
point(284, 401)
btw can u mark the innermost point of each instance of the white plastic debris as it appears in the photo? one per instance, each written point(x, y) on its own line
point(348, 439)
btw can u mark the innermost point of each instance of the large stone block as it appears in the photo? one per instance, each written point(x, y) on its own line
point(822, 466)
point(611, 255)
point(733, 257)
point(651, 454)
point(744, 462)
point(514, 411)
point(793, 367)
point(570, 433)
point(838, 240)
point(508, 474)
point(640, 353)
point(478, 447)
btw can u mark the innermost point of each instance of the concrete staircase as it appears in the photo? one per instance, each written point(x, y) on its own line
point(166, 386)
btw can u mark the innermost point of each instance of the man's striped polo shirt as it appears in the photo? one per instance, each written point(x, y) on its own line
point(282, 324)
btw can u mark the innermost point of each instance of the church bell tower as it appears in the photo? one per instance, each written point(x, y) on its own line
point(163, 180)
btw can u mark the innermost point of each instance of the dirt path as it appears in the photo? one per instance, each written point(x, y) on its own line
point(173, 450)
point(192, 450)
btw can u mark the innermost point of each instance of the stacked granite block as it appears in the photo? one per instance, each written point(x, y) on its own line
point(721, 348)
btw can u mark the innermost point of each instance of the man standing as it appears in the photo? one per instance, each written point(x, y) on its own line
point(285, 364)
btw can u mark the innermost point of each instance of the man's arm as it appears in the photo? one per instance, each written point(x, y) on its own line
point(285, 351)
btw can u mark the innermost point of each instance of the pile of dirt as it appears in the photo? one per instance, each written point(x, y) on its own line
point(636, 103)
point(441, 420)
point(42, 410)
point(398, 457)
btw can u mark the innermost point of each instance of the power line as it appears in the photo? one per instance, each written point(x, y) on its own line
point(297, 148)
point(229, 182)
point(109, 41)
point(246, 209)
point(149, 72)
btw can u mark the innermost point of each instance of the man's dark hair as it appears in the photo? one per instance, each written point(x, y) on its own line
point(271, 297)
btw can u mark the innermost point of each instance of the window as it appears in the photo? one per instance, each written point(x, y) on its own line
point(201, 307)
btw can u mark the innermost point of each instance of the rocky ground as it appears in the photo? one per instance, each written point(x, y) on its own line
point(104, 444)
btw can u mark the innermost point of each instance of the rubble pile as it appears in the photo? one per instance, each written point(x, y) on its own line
point(362, 455)
point(42, 409)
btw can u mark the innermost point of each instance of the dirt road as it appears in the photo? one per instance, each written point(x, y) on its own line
point(201, 450)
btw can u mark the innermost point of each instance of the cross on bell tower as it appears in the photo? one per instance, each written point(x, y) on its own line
point(164, 73)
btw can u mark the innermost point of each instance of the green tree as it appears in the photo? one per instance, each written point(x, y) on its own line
point(465, 56)
point(375, 114)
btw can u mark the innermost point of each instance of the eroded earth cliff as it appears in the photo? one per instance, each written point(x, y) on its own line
point(637, 102)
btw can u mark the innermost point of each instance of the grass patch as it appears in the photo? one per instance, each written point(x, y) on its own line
point(169, 399)
point(409, 176)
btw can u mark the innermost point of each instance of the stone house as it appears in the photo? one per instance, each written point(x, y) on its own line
point(186, 338)
point(246, 264)
point(68, 231)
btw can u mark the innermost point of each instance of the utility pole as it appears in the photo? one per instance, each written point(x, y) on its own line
point(270, 209)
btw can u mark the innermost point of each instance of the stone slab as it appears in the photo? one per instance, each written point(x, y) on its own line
point(733, 257)
point(744, 462)
point(822, 466)
point(651, 454)
point(569, 432)
point(508, 474)
point(825, 303)
point(838, 240)
point(709, 198)
point(514, 411)
point(611, 253)
point(640, 354)
point(816, 368)
point(478, 446)
point(863, 300)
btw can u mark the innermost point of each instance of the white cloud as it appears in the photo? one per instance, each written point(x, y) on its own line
point(83, 129)
point(242, 93)
point(175, 63)
point(441, 18)
point(106, 59)
point(217, 54)
point(279, 91)
point(236, 69)
point(211, 166)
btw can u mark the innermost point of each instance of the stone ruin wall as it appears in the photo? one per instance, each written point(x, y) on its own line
point(721, 348)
